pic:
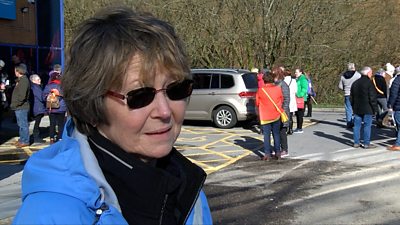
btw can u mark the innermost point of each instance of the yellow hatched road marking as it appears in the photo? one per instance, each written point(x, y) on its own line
point(204, 150)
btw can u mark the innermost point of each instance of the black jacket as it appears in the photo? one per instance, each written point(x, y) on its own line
point(20, 95)
point(380, 86)
point(394, 96)
point(363, 97)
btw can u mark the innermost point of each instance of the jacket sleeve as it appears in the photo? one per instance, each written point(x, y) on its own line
point(258, 97)
point(286, 97)
point(372, 98)
point(45, 92)
point(341, 84)
point(394, 92)
point(352, 96)
point(200, 213)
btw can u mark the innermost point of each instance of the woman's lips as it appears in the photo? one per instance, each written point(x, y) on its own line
point(161, 131)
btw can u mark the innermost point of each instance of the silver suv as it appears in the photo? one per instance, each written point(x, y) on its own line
point(223, 96)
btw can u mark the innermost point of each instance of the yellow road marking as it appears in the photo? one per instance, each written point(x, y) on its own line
point(204, 150)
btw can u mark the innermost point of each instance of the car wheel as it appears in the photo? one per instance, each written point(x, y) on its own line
point(224, 117)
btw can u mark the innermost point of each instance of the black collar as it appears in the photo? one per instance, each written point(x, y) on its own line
point(149, 193)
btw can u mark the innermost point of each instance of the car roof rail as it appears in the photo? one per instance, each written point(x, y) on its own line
point(223, 69)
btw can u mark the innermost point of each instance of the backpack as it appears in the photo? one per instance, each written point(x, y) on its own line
point(52, 101)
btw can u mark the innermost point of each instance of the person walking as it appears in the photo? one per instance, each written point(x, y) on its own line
point(56, 113)
point(302, 86)
point(20, 104)
point(38, 107)
point(346, 80)
point(364, 105)
point(266, 99)
point(116, 162)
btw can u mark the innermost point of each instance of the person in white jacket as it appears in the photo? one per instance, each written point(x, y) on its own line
point(291, 82)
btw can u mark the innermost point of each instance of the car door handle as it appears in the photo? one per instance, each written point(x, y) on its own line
point(211, 93)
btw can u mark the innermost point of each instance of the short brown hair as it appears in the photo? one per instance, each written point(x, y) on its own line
point(100, 54)
point(278, 73)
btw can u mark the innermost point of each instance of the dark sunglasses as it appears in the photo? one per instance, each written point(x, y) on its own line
point(142, 97)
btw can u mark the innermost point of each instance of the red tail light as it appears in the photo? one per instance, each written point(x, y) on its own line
point(247, 94)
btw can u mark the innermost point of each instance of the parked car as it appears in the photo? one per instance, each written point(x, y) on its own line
point(223, 96)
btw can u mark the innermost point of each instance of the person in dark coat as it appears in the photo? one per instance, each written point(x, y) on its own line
point(56, 115)
point(20, 104)
point(364, 104)
point(381, 96)
point(38, 106)
point(394, 107)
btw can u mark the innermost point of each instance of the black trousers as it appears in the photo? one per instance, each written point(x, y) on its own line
point(36, 129)
point(308, 104)
point(299, 117)
point(290, 122)
point(283, 136)
point(56, 119)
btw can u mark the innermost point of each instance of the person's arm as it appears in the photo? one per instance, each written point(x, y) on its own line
point(341, 83)
point(372, 99)
point(352, 96)
point(394, 92)
point(286, 97)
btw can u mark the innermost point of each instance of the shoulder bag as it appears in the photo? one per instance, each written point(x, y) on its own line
point(284, 117)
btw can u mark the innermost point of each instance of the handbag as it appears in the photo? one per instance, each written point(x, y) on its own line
point(284, 116)
point(300, 102)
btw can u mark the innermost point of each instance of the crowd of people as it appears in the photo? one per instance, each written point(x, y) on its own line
point(369, 97)
point(280, 94)
point(28, 97)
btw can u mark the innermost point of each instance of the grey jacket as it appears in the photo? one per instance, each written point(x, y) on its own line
point(286, 98)
point(347, 79)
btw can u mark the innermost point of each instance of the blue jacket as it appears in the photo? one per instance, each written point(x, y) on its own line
point(394, 95)
point(46, 91)
point(38, 104)
point(63, 184)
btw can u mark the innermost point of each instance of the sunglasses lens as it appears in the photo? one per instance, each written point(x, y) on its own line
point(140, 97)
point(180, 90)
point(144, 96)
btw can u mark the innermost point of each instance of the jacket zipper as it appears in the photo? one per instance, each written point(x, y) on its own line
point(99, 212)
point(163, 208)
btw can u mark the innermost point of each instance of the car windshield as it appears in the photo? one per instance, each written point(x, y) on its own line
point(250, 80)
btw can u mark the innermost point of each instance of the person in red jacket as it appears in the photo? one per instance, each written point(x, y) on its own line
point(269, 115)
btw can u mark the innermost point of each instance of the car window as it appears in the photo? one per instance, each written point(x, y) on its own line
point(201, 81)
point(227, 81)
point(250, 80)
point(215, 81)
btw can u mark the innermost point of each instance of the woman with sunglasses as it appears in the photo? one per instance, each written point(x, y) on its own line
point(126, 85)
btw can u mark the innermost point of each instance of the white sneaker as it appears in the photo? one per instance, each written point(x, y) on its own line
point(284, 154)
point(298, 131)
